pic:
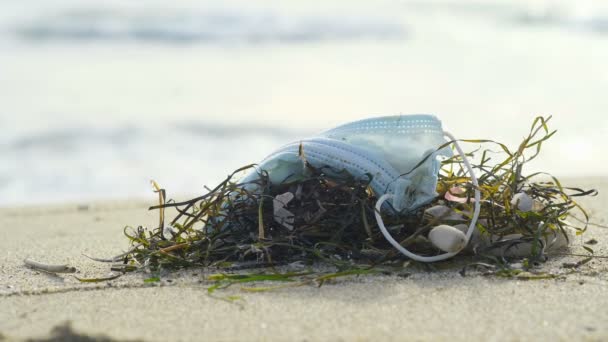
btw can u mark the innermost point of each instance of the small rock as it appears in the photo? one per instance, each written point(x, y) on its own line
point(296, 265)
point(443, 213)
point(462, 227)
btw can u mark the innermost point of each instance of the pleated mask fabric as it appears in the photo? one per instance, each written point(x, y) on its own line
point(390, 148)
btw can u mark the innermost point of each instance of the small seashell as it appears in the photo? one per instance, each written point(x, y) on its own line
point(284, 199)
point(538, 206)
point(450, 195)
point(522, 202)
point(281, 215)
point(447, 238)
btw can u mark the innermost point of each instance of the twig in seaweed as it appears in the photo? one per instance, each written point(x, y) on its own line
point(117, 257)
point(97, 280)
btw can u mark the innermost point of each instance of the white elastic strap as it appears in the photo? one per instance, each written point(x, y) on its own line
point(444, 256)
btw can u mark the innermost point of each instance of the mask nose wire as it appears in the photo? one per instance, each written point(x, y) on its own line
point(470, 231)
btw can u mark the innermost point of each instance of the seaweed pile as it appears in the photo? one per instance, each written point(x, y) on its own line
point(331, 219)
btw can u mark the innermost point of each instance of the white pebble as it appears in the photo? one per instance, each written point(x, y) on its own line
point(522, 201)
point(447, 238)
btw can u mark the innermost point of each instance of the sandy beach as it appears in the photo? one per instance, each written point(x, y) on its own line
point(99, 98)
point(439, 305)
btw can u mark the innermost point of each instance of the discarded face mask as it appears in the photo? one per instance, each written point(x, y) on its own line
point(401, 153)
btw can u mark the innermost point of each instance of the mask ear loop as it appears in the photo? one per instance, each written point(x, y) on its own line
point(470, 231)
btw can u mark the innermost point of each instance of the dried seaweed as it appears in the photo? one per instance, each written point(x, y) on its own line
point(329, 219)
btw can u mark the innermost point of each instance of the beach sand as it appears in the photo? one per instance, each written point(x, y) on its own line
point(439, 305)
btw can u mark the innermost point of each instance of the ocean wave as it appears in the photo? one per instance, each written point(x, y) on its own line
point(565, 18)
point(92, 161)
point(574, 16)
point(205, 27)
point(197, 128)
point(64, 139)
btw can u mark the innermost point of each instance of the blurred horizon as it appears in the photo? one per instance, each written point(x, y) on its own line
point(98, 98)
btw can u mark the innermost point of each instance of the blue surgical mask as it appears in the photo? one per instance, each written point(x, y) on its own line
point(403, 141)
point(389, 148)
point(400, 152)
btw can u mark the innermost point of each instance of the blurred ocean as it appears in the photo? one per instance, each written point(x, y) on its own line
point(97, 98)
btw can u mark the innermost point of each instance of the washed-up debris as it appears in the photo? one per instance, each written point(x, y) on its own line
point(49, 268)
point(327, 216)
